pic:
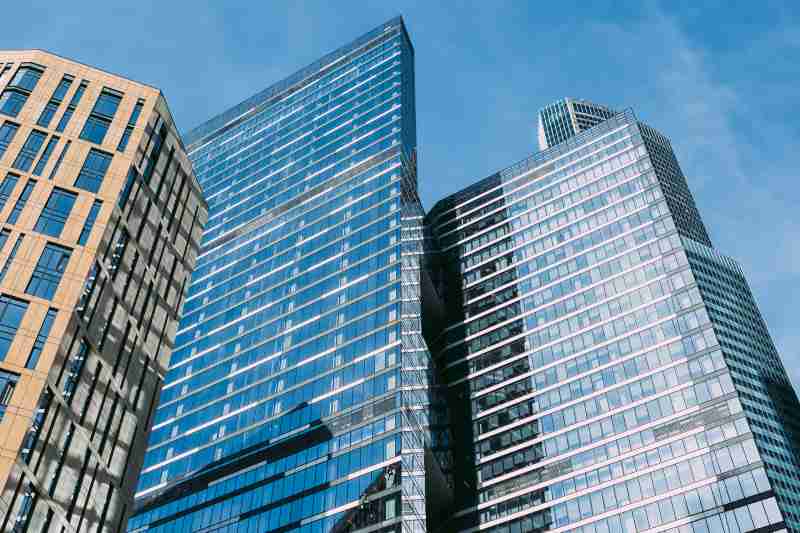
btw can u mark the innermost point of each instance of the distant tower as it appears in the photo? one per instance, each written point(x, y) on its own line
point(567, 117)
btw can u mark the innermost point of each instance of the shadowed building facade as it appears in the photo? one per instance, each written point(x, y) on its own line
point(608, 370)
point(299, 392)
point(100, 223)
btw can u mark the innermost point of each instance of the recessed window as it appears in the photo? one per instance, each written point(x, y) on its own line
point(55, 213)
point(126, 135)
point(11, 256)
point(18, 89)
point(73, 103)
point(41, 338)
point(6, 188)
point(7, 132)
point(90, 220)
point(48, 151)
point(93, 171)
point(100, 119)
point(49, 270)
point(29, 151)
point(21, 202)
point(50, 109)
point(11, 312)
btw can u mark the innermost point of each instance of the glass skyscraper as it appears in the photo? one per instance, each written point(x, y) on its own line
point(607, 369)
point(299, 393)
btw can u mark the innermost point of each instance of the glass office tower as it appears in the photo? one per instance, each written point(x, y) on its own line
point(608, 370)
point(567, 117)
point(100, 225)
point(298, 393)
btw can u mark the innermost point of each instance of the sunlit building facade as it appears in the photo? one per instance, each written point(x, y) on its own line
point(100, 224)
point(608, 370)
point(299, 390)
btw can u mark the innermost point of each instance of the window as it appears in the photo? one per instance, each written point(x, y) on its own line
point(8, 382)
point(11, 256)
point(7, 132)
point(126, 189)
point(93, 171)
point(6, 188)
point(126, 135)
point(11, 312)
point(47, 274)
point(47, 115)
point(100, 119)
point(90, 220)
point(59, 160)
point(4, 238)
point(73, 103)
point(55, 213)
point(26, 78)
point(29, 151)
point(21, 201)
point(52, 106)
point(18, 90)
point(41, 338)
point(48, 151)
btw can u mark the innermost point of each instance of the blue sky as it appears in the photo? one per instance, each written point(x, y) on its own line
point(720, 80)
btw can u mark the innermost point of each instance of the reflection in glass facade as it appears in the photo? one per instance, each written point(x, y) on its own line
point(299, 390)
point(607, 369)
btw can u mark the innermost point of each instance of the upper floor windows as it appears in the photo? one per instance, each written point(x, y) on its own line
point(101, 116)
point(93, 171)
point(29, 151)
point(55, 213)
point(18, 89)
point(52, 106)
point(73, 103)
point(11, 312)
point(49, 270)
point(7, 132)
point(126, 135)
point(26, 78)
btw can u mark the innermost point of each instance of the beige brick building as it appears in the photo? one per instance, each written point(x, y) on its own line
point(101, 218)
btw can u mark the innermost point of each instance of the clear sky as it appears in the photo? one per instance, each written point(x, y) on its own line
point(721, 80)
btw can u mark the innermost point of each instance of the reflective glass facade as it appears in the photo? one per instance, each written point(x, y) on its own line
point(299, 390)
point(607, 369)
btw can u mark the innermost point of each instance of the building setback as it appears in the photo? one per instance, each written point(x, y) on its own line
point(299, 393)
point(608, 369)
point(101, 219)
